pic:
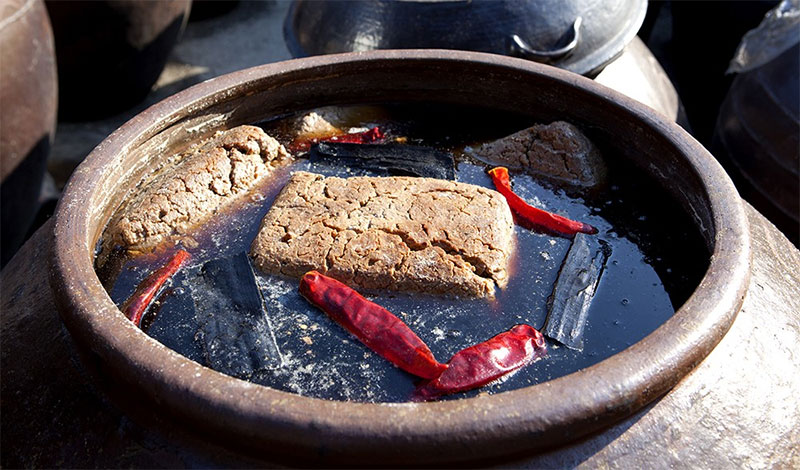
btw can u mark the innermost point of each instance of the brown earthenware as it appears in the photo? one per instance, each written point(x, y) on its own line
point(151, 382)
point(28, 104)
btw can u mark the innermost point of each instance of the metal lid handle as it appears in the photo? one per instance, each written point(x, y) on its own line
point(520, 48)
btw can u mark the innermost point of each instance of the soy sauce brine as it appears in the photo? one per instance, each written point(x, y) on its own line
point(655, 260)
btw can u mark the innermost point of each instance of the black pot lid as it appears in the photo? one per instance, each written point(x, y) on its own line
point(581, 36)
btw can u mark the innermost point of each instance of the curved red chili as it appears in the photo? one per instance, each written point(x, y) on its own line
point(531, 217)
point(372, 324)
point(137, 304)
point(485, 362)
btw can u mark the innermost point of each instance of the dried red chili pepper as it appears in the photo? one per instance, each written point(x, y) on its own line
point(372, 324)
point(367, 137)
point(531, 217)
point(135, 307)
point(482, 363)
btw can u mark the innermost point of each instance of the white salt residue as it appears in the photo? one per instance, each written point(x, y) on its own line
point(526, 191)
point(206, 121)
point(334, 378)
point(438, 333)
point(273, 288)
point(545, 255)
point(330, 365)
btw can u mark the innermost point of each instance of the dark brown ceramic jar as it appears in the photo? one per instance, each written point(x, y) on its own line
point(111, 52)
point(28, 93)
point(151, 382)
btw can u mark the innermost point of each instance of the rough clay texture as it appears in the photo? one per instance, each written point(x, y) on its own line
point(207, 176)
point(397, 233)
point(558, 150)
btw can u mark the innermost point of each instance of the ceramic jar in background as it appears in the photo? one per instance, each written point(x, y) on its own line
point(576, 35)
point(111, 52)
point(29, 95)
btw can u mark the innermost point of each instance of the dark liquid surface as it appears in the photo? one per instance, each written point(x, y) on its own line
point(656, 260)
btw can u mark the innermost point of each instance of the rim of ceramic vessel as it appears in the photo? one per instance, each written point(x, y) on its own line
point(266, 420)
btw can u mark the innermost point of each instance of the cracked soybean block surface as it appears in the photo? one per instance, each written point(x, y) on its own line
point(558, 150)
point(207, 176)
point(397, 233)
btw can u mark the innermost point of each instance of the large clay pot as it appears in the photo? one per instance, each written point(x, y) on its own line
point(28, 93)
point(154, 384)
point(111, 52)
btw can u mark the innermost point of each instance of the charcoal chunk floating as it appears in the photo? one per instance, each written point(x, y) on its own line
point(575, 287)
point(396, 159)
point(172, 321)
point(234, 328)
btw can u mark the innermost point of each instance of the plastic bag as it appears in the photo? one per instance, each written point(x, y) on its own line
point(778, 31)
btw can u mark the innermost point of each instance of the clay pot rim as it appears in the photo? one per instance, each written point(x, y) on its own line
point(541, 415)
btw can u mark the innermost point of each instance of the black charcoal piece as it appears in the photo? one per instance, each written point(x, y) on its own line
point(234, 329)
point(575, 287)
point(396, 159)
point(171, 319)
